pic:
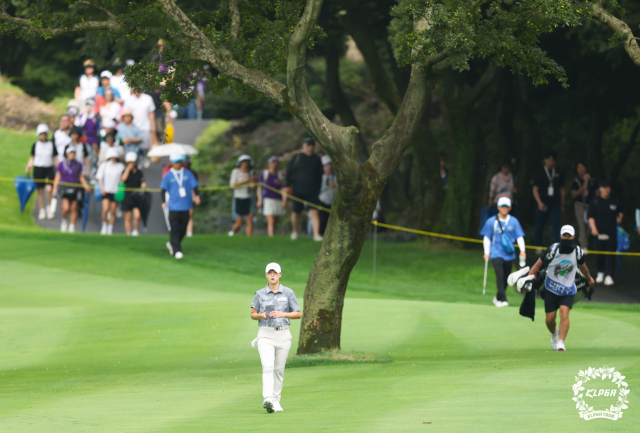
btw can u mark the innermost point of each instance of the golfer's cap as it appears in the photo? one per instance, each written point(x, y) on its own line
point(131, 157)
point(70, 149)
point(244, 158)
point(273, 267)
point(177, 157)
point(567, 230)
point(112, 153)
point(127, 112)
point(273, 159)
point(43, 128)
point(326, 159)
point(107, 74)
point(504, 201)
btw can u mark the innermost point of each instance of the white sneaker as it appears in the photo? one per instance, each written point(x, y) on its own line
point(50, 212)
point(600, 277)
point(277, 407)
point(554, 340)
point(294, 236)
point(103, 230)
point(504, 304)
point(608, 281)
point(109, 229)
point(146, 162)
point(189, 234)
point(170, 248)
point(231, 233)
point(561, 347)
point(119, 213)
point(72, 228)
point(64, 226)
point(496, 302)
point(135, 233)
point(317, 238)
point(179, 255)
point(42, 214)
point(268, 405)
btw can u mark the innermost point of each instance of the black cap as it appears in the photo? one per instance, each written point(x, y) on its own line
point(309, 140)
point(604, 183)
point(74, 130)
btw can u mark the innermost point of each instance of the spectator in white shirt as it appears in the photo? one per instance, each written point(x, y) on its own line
point(242, 198)
point(110, 111)
point(109, 176)
point(143, 111)
point(43, 160)
point(87, 84)
point(61, 136)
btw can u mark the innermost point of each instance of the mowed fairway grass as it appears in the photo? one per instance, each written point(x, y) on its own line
point(110, 334)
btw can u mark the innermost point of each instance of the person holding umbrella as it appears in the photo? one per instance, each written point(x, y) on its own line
point(70, 174)
point(133, 200)
point(108, 177)
point(499, 233)
point(181, 187)
point(44, 157)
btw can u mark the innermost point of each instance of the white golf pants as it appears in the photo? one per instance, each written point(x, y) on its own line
point(273, 347)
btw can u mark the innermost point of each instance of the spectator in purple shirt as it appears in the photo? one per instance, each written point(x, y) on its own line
point(70, 174)
point(274, 203)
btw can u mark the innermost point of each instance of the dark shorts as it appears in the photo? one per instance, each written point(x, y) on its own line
point(72, 193)
point(552, 301)
point(131, 201)
point(310, 198)
point(243, 206)
point(109, 196)
point(42, 173)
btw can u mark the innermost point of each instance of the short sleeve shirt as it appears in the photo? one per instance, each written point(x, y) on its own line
point(274, 182)
point(541, 180)
point(43, 153)
point(512, 229)
point(561, 269)
point(605, 212)
point(284, 300)
point(171, 185)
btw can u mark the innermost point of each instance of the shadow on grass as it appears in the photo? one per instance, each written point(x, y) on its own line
point(332, 357)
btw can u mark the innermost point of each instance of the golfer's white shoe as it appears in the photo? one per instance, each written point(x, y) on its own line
point(499, 304)
point(51, 211)
point(42, 214)
point(231, 233)
point(515, 276)
point(277, 407)
point(135, 233)
point(179, 255)
point(170, 248)
point(554, 340)
point(294, 236)
point(103, 230)
point(600, 277)
point(64, 226)
point(72, 228)
point(504, 304)
point(268, 405)
point(608, 281)
point(189, 234)
point(561, 347)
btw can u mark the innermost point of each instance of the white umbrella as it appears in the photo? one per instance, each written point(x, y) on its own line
point(168, 149)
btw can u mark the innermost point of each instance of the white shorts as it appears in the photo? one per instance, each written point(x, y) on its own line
point(272, 206)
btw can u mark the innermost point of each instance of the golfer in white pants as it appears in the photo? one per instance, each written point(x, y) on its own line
point(272, 307)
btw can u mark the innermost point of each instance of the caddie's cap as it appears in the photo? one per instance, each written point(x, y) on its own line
point(177, 157)
point(273, 267)
point(567, 230)
point(504, 201)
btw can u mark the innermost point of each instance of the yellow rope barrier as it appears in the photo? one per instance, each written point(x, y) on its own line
point(291, 197)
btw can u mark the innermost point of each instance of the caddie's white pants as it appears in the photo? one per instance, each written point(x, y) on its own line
point(273, 347)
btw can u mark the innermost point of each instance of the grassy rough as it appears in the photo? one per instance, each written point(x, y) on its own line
point(337, 357)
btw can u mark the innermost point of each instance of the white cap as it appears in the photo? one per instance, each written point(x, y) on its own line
point(70, 149)
point(273, 267)
point(107, 74)
point(130, 62)
point(273, 159)
point(504, 201)
point(244, 158)
point(131, 157)
point(73, 103)
point(112, 152)
point(42, 128)
point(173, 114)
point(326, 159)
point(177, 157)
point(569, 230)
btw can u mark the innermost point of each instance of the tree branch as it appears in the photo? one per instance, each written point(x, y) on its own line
point(98, 6)
point(111, 24)
point(222, 59)
point(235, 17)
point(625, 153)
point(599, 13)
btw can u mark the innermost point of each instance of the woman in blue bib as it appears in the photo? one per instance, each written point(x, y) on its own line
point(499, 234)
